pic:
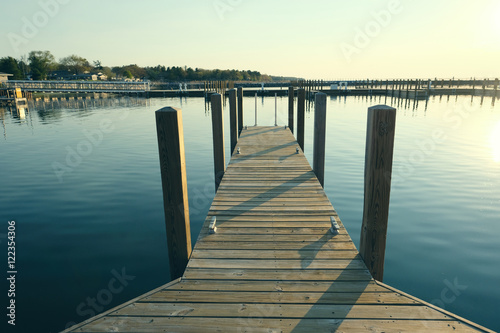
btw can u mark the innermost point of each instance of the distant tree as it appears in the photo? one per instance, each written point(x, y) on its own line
point(128, 74)
point(134, 70)
point(108, 72)
point(74, 64)
point(10, 65)
point(155, 73)
point(41, 63)
point(23, 65)
point(98, 65)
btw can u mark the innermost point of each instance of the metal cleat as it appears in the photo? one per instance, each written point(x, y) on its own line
point(335, 227)
point(212, 229)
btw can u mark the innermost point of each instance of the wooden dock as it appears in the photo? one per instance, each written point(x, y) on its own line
point(273, 264)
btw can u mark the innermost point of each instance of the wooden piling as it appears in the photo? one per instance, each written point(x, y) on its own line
point(255, 109)
point(290, 108)
point(240, 109)
point(174, 184)
point(218, 139)
point(233, 119)
point(378, 168)
point(301, 108)
point(319, 137)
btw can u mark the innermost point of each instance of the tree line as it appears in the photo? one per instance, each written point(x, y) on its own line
point(41, 65)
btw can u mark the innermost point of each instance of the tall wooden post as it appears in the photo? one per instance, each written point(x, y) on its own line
point(290, 108)
point(174, 184)
point(218, 139)
point(319, 137)
point(255, 109)
point(275, 109)
point(233, 119)
point(301, 109)
point(240, 109)
point(378, 169)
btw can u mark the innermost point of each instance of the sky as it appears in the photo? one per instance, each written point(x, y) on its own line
point(315, 39)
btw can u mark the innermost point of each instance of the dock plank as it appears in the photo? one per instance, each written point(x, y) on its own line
point(265, 325)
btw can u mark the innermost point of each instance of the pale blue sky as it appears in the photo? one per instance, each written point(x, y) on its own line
point(313, 39)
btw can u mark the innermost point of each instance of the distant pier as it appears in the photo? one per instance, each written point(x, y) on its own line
point(119, 87)
point(414, 89)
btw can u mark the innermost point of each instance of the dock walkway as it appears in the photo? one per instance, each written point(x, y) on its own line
point(273, 265)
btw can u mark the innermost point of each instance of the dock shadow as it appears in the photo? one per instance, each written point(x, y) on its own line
point(263, 130)
point(333, 323)
point(305, 253)
point(238, 159)
point(270, 194)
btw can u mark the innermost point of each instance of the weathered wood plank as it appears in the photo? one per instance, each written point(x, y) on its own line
point(327, 237)
point(231, 245)
point(277, 297)
point(305, 263)
point(259, 324)
point(276, 208)
point(279, 218)
point(288, 311)
point(281, 274)
point(285, 286)
point(222, 230)
point(274, 254)
point(266, 310)
point(277, 225)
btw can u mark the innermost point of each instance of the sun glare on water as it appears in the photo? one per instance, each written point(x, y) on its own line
point(495, 143)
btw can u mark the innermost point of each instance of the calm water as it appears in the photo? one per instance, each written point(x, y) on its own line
point(90, 230)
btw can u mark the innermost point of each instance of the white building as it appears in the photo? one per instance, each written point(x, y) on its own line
point(4, 77)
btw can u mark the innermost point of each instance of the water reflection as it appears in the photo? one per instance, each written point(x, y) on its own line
point(53, 109)
point(495, 143)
